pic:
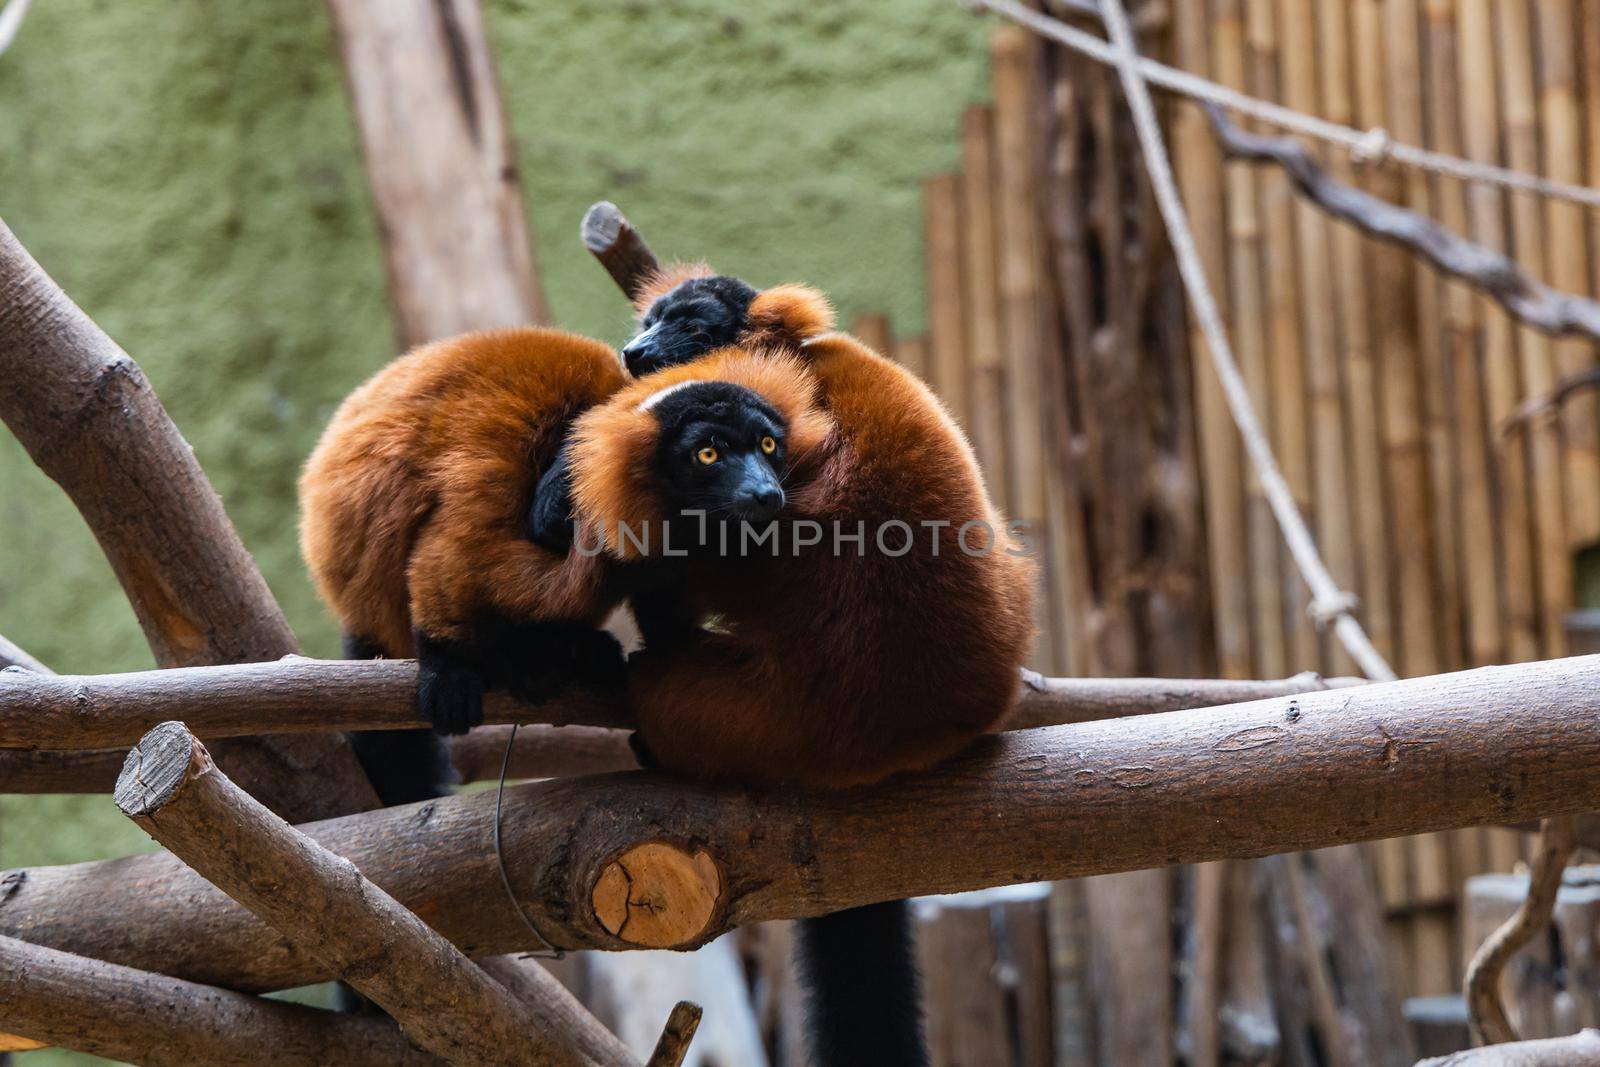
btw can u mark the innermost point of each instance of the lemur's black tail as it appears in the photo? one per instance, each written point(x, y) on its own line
point(403, 765)
point(860, 972)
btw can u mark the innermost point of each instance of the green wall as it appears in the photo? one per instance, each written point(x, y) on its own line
point(188, 172)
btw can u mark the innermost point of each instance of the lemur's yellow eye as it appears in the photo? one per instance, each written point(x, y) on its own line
point(707, 455)
point(768, 445)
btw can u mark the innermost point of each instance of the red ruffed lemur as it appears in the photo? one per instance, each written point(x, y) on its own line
point(416, 510)
point(815, 659)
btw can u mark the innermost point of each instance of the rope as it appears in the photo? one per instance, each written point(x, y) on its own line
point(1370, 146)
point(1328, 601)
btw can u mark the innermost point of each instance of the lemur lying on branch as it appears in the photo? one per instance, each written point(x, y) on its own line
point(444, 518)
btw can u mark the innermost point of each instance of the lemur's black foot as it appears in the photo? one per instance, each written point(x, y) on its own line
point(641, 751)
point(559, 658)
point(449, 691)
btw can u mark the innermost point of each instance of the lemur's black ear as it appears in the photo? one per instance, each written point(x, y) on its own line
point(663, 280)
point(786, 316)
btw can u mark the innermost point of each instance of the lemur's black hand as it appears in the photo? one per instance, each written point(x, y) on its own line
point(449, 690)
point(550, 517)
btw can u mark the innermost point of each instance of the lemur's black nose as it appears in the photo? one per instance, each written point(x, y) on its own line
point(769, 499)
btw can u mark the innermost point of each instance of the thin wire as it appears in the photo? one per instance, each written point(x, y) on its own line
point(1374, 145)
point(1328, 601)
point(550, 951)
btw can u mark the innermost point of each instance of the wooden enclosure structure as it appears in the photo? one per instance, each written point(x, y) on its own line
point(1058, 336)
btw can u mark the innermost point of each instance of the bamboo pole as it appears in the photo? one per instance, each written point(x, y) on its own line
point(1246, 290)
point(1221, 465)
point(1291, 413)
point(1330, 482)
point(1567, 264)
point(135, 1016)
point(1287, 774)
point(1358, 368)
point(171, 789)
point(1513, 45)
point(985, 371)
point(1014, 56)
point(941, 252)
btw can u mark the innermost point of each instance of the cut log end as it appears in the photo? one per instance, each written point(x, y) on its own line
point(157, 767)
point(602, 223)
point(657, 895)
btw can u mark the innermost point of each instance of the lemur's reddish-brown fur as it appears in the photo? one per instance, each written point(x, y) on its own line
point(414, 503)
point(824, 670)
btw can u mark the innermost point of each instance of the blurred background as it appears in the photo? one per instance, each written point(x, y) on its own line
point(973, 201)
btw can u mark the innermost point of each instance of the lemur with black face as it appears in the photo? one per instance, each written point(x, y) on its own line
point(812, 666)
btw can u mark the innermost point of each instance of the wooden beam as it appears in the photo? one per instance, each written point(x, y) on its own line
point(442, 166)
point(307, 695)
point(134, 1016)
point(318, 900)
point(611, 238)
point(85, 413)
point(635, 860)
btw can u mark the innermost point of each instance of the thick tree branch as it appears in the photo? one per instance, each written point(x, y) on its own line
point(90, 420)
point(608, 234)
point(322, 903)
point(1492, 273)
point(633, 859)
point(1578, 1050)
point(138, 1017)
point(298, 694)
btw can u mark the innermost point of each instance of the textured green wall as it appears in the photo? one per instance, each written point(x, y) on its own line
point(188, 172)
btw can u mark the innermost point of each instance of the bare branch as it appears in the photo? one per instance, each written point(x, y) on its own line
point(320, 901)
point(1492, 273)
point(1578, 1050)
point(608, 234)
point(1280, 775)
point(13, 656)
point(138, 1017)
point(90, 420)
point(296, 694)
point(1485, 1005)
point(674, 1043)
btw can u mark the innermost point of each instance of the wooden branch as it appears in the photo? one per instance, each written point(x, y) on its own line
point(442, 166)
point(608, 234)
point(674, 1043)
point(297, 694)
point(1485, 1006)
point(13, 656)
point(540, 751)
point(1578, 1050)
point(320, 901)
point(634, 860)
point(138, 1017)
point(1490, 272)
point(87, 416)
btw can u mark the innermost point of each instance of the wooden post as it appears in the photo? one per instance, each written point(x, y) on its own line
point(318, 900)
point(87, 416)
point(125, 1014)
point(442, 166)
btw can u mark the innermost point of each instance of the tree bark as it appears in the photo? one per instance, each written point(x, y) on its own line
point(85, 413)
point(635, 860)
point(321, 902)
point(611, 238)
point(305, 695)
point(442, 166)
point(138, 1017)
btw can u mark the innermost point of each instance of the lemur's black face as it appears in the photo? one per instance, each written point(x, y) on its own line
point(695, 317)
point(721, 451)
